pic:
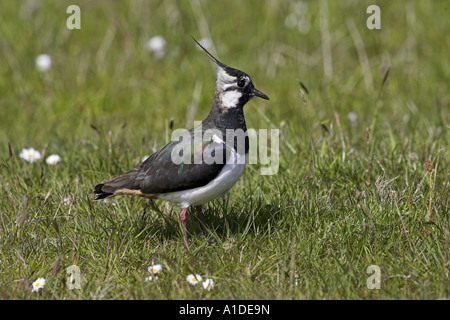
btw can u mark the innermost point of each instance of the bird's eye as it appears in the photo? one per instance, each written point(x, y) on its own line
point(241, 83)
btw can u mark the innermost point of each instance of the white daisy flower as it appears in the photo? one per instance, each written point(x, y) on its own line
point(30, 155)
point(38, 284)
point(157, 45)
point(208, 284)
point(53, 159)
point(43, 62)
point(193, 279)
point(155, 269)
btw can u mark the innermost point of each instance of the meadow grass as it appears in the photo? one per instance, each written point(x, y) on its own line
point(350, 192)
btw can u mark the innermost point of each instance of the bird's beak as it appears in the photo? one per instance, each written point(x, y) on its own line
point(258, 93)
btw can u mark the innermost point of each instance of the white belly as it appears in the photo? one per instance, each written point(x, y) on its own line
point(216, 188)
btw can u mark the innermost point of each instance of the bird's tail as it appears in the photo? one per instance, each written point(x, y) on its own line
point(100, 194)
point(109, 188)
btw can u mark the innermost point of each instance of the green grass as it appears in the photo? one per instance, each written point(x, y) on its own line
point(347, 194)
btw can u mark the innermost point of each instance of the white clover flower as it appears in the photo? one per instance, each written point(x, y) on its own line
point(154, 269)
point(43, 62)
point(157, 45)
point(38, 284)
point(353, 117)
point(208, 284)
point(30, 155)
point(193, 279)
point(53, 159)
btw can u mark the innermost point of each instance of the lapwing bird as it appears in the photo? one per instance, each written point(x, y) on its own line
point(203, 163)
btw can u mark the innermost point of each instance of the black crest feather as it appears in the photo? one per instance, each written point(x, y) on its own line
point(214, 59)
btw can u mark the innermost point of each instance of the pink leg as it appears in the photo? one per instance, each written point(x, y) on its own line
point(183, 226)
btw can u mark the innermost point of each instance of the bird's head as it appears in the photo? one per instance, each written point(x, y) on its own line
point(234, 88)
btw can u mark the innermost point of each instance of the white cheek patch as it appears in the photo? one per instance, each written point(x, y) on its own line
point(224, 80)
point(228, 86)
point(230, 99)
point(223, 76)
